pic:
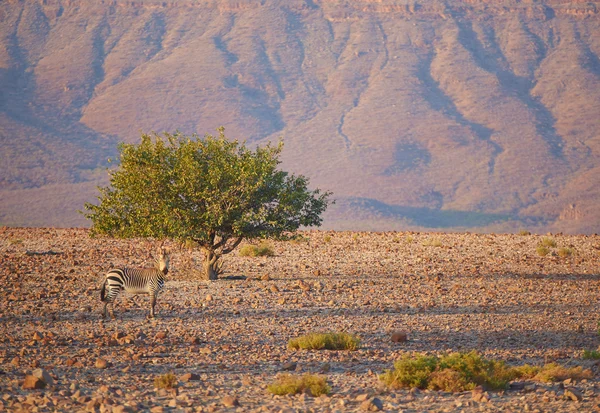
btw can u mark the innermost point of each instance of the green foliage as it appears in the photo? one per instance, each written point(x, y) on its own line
point(565, 252)
point(542, 251)
point(308, 383)
point(591, 355)
point(325, 341)
point(210, 190)
point(548, 242)
point(166, 381)
point(451, 372)
point(262, 250)
point(410, 371)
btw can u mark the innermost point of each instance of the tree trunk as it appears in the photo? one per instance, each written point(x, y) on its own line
point(211, 265)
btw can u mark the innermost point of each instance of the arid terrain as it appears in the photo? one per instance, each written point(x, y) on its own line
point(449, 292)
point(445, 115)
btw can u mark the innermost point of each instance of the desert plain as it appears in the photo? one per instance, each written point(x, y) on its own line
point(227, 340)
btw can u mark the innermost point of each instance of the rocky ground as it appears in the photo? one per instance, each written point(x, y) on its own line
point(227, 340)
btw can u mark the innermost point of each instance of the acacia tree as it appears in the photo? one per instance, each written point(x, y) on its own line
point(211, 191)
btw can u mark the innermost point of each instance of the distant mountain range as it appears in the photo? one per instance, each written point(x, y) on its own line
point(478, 115)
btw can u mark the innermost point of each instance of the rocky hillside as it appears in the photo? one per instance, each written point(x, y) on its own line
point(446, 114)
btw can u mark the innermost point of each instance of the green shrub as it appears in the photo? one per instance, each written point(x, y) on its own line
point(591, 354)
point(548, 242)
point(565, 252)
point(166, 381)
point(325, 341)
point(542, 251)
point(308, 383)
point(453, 372)
point(262, 250)
point(410, 371)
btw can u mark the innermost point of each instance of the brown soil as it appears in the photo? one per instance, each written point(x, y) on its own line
point(448, 292)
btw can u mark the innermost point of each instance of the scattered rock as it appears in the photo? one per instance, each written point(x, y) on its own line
point(573, 394)
point(290, 366)
point(230, 401)
point(399, 336)
point(102, 363)
point(44, 376)
point(266, 277)
point(189, 377)
point(32, 382)
point(372, 405)
point(161, 335)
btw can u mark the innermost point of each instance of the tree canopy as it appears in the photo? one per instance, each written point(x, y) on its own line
point(212, 191)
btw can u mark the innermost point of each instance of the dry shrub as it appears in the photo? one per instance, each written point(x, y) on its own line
point(555, 372)
point(262, 250)
point(565, 252)
point(166, 381)
point(542, 251)
point(308, 383)
point(325, 341)
point(548, 242)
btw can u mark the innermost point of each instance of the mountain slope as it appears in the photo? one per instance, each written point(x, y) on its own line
point(412, 113)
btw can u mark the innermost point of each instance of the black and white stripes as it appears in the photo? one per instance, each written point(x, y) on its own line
point(135, 281)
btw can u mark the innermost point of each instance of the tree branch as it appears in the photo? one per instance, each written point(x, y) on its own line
point(233, 246)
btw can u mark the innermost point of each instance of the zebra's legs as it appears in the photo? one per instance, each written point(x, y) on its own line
point(152, 304)
point(110, 298)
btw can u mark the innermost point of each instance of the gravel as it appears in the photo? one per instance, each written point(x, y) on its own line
point(227, 340)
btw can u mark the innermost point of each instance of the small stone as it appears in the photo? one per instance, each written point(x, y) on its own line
point(373, 405)
point(290, 366)
point(15, 361)
point(266, 277)
point(102, 363)
point(204, 350)
point(189, 377)
point(208, 297)
point(161, 335)
point(274, 289)
point(399, 337)
point(44, 376)
point(32, 382)
point(157, 409)
point(37, 336)
point(362, 397)
point(573, 394)
point(230, 401)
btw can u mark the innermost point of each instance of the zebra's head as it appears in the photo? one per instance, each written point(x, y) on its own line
point(162, 262)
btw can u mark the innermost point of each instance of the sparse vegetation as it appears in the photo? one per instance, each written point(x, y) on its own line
point(564, 252)
point(262, 250)
point(325, 341)
point(409, 239)
point(555, 372)
point(450, 372)
point(327, 239)
point(542, 251)
point(165, 381)
point(524, 232)
point(548, 242)
point(308, 383)
point(591, 355)
point(15, 241)
point(433, 242)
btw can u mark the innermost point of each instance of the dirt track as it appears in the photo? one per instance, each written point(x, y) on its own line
point(458, 292)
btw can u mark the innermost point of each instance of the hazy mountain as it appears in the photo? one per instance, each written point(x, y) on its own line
point(471, 114)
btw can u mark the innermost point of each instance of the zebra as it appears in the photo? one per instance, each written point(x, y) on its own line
point(135, 281)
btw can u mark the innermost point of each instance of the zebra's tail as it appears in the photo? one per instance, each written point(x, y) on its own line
point(103, 291)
